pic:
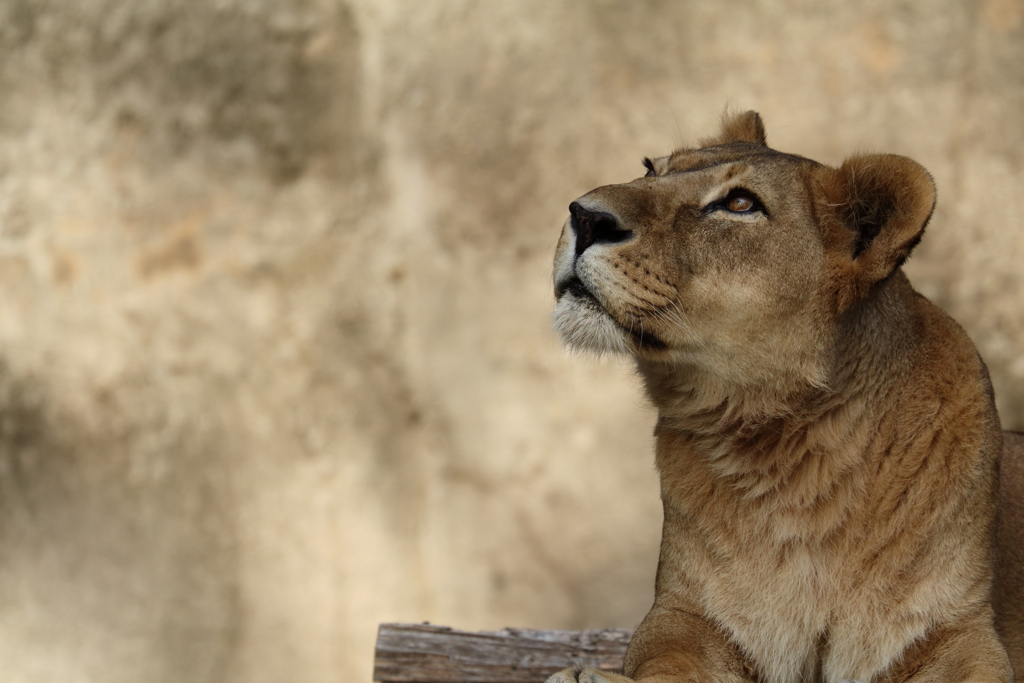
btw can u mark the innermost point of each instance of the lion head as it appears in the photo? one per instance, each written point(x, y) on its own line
point(734, 259)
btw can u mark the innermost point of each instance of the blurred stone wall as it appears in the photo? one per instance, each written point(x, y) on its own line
point(275, 363)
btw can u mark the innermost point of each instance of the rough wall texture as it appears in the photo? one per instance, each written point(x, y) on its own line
point(274, 353)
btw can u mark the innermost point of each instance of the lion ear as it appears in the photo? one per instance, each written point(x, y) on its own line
point(745, 127)
point(882, 203)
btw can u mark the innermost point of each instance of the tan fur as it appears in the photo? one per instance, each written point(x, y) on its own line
point(1008, 593)
point(827, 440)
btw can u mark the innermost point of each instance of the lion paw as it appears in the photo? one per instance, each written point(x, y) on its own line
point(587, 675)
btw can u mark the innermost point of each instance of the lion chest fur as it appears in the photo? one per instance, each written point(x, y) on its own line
point(819, 541)
point(827, 440)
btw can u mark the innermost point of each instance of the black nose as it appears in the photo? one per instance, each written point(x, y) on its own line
point(592, 227)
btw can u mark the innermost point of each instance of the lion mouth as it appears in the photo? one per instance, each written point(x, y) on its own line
point(575, 288)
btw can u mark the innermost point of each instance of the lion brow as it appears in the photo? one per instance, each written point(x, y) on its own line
point(704, 164)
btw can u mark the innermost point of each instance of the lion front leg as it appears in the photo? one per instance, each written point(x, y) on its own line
point(671, 646)
point(967, 651)
point(587, 675)
point(675, 646)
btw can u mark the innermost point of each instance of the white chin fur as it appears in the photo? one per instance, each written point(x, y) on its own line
point(585, 327)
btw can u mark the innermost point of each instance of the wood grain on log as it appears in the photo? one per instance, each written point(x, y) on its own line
point(421, 653)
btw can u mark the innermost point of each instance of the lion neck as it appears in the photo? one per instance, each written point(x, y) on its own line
point(763, 435)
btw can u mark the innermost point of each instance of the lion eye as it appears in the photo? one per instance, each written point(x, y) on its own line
point(740, 204)
point(737, 201)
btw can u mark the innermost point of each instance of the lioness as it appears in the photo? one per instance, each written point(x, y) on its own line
point(827, 442)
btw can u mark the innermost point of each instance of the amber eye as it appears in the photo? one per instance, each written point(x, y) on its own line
point(737, 201)
point(741, 203)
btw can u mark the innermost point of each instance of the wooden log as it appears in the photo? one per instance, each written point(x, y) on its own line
point(422, 653)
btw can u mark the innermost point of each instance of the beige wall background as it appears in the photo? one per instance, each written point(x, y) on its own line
point(275, 362)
